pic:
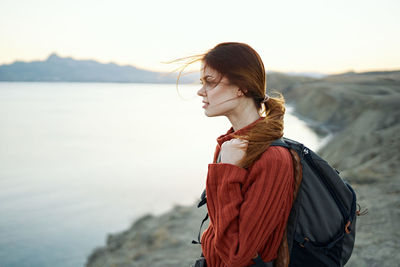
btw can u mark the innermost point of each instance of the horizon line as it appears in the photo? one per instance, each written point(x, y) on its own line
point(163, 71)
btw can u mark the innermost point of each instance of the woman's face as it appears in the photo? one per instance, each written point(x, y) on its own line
point(219, 99)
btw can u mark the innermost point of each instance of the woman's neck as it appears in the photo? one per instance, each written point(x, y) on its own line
point(244, 117)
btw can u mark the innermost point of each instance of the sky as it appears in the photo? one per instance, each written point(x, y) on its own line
point(290, 36)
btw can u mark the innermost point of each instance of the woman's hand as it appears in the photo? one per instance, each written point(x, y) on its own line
point(233, 151)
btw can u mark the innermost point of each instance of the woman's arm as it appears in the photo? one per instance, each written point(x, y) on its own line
point(243, 221)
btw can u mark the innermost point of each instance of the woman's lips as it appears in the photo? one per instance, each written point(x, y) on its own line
point(205, 104)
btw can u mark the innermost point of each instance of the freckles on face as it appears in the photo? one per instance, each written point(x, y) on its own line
point(214, 87)
point(222, 100)
point(219, 94)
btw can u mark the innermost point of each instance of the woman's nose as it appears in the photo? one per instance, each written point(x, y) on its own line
point(201, 92)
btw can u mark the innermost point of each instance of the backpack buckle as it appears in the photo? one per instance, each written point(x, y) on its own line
point(302, 243)
point(346, 227)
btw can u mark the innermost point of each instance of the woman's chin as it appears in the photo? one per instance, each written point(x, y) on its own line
point(208, 113)
point(211, 114)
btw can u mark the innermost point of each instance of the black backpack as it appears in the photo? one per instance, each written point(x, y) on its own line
point(321, 225)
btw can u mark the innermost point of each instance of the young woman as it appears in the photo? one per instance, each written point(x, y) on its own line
point(249, 185)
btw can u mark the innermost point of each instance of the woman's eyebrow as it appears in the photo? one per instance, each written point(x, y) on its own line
point(205, 77)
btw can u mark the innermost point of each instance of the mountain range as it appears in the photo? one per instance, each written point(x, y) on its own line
point(67, 69)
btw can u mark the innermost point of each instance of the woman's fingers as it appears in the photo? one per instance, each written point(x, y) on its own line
point(238, 141)
point(235, 144)
point(233, 151)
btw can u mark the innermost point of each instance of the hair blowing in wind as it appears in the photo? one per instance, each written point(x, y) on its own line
point(242, 66)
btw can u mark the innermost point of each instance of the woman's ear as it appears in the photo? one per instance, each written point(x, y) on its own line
point(242, 92)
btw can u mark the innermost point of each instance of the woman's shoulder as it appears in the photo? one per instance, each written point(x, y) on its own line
point(275, 164)
point(277, 152)
point(275, 155)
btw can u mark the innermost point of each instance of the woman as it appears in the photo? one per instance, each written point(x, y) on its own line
point(249, 185)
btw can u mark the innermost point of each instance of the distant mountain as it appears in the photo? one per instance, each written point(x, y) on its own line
point(66, 69)
point(307, 74)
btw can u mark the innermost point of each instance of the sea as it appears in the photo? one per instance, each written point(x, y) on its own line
point(79, 161)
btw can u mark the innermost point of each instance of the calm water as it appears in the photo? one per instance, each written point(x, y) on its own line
point(80, 160)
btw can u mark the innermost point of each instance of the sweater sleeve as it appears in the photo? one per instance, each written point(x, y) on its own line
point(243, 220)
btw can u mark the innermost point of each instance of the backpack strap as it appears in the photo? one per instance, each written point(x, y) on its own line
point(198, 237)
point(201, 203)
point(280, 142)
point(203, 200)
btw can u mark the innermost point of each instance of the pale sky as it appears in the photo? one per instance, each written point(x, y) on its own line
point(297, 36)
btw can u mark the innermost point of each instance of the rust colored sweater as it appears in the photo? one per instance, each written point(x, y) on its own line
point(248, 208)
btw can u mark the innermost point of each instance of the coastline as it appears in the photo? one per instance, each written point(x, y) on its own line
point(361, 113)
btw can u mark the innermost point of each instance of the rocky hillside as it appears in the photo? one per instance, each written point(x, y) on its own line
point(362, 111)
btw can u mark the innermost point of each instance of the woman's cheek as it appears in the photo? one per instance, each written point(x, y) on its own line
point(219, 95)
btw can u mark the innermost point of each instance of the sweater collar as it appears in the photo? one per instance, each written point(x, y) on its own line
point(229, 134)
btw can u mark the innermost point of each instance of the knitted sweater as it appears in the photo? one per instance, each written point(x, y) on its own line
point(248, 208)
